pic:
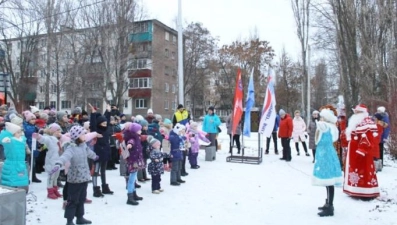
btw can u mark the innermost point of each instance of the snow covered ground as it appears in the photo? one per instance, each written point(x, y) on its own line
point(272, 193)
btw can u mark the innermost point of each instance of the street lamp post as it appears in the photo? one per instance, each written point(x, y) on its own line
point(180, 55)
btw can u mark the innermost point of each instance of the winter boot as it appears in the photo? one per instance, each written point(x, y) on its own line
point(35, 179)
point(51, 194)
point(323, 207)
point(137, 185)
point(314, 155)
point(131, 200)
point(181, 181)
point(106, 190)
point(56, 192)
point(70, 222)
point(97, 192)
point(82, 220)
point(136, 197)
point(327, 211)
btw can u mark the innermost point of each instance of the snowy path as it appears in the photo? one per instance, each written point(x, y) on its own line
point(272, 193)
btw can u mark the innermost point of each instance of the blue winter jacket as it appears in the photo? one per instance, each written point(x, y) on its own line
point(14, 173)
point(29, 129)
point(276, 124)
point(211, 123)
point(154, 130)
point(386, 131)
point(175, 142)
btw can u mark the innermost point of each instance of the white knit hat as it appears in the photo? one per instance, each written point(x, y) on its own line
point(86, 125)
point(328, 116)
point(381, 109)
point(34, 109)
point(178, 128)
point(149, 111)
point(17, 120)
point(12, 128)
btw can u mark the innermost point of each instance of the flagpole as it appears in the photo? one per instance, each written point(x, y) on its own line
point(180, 55)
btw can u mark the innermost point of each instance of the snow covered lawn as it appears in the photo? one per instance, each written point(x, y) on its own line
point(4, 190)
point(272, 193)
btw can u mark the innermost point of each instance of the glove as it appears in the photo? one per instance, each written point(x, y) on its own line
point(129, 146)
point(36, 136)
point(55, 169)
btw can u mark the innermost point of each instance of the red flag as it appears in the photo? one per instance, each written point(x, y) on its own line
point(238, 102)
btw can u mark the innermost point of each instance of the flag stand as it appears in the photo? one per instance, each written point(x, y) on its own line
point(255, 159)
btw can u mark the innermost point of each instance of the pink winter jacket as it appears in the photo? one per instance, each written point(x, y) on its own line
point(299, 129)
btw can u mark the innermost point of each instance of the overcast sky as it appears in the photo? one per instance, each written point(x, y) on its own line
point(233, 19)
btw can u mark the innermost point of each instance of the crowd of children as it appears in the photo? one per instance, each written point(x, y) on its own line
point(82, 146)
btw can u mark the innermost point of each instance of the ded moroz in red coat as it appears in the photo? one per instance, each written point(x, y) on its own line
point(360, 176)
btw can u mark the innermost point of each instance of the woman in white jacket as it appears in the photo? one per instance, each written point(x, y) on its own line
point(299, 132)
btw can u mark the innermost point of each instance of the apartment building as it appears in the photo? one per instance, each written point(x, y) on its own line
point(153, 75)
point(76, 74)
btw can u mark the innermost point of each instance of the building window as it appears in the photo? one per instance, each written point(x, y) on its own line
point(43, 42)
point(66, 104)
point(141, 103)
point(174, 39)
point(166, 70)
point(167, 87)
point(17, 75)
point(53, 73)
point(18, 61)
point(167, 53)
point(173, 88)
point(69, 55)
point(136, 64)
point(216, 82)
point(125, 103)
point(43, 57)
point(53, 104)
point(187, 103)
point(167, 36)
point(53, 88)
point(166, 104)
point(173, 107)
point(141, 27)
point(41, 105)
point(42, 73)
point(173, 55)
point(19, 45)
point(41, 89)
point(140, 83)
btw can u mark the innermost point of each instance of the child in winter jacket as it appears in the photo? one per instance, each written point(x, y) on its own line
point(177, 140)
point(135, 162)
point(14, 172)
point(155, 167)
point(165, 129)
point(142, 174)
point(50, 139)
point(76, 154)
point(194, 137)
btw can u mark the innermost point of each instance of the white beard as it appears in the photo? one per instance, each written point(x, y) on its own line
point(355, 120)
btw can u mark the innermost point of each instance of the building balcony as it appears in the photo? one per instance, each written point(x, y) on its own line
point(141, 37)
point(139, 92)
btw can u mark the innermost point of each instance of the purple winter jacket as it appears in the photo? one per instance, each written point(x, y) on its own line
point(135, 160)
point(194, 141)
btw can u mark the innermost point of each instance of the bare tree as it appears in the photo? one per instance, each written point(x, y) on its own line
point(301, 10)
point(21, 67)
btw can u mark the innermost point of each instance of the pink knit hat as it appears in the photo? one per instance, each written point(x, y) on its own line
point(54, 127)
point(127, 125)
point(29, 116)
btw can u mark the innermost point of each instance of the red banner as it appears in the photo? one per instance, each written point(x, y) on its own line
point(237, 103)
